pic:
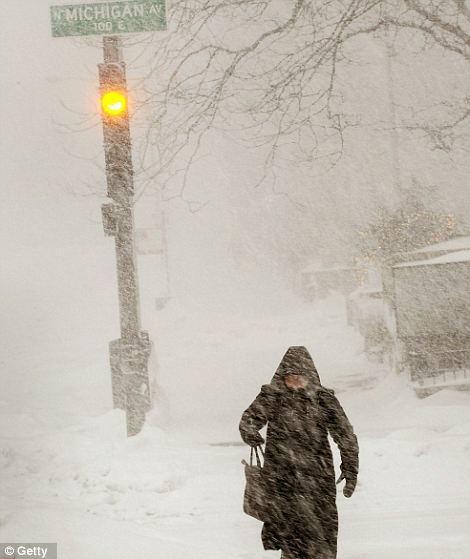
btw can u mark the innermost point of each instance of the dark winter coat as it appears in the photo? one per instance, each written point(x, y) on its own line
point(298, 468)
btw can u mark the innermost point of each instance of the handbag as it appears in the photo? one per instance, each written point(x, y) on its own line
point(254, 500)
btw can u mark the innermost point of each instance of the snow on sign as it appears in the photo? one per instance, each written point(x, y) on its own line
point(108, 18)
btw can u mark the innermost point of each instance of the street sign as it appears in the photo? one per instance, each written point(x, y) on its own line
point(108, 18)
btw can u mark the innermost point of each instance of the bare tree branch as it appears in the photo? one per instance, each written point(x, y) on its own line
point(267, 71)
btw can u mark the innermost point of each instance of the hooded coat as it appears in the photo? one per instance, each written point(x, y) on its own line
point(298, 468)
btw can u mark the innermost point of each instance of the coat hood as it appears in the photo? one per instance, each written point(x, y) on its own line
point(298, 359)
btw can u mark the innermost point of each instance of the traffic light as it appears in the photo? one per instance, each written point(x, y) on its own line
point(113, 89)
point(117, 140)
point(113, 102)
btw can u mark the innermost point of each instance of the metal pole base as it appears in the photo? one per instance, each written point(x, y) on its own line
point(130, 379)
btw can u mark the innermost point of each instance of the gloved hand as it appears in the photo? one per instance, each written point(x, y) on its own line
point(350, 485)
point(254, 439)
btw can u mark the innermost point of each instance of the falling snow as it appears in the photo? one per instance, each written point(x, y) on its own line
point(326, 207)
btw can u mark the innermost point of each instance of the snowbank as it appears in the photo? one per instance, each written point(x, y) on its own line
point(172, 492)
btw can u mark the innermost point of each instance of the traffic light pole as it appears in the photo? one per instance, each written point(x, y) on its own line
point(130, 353)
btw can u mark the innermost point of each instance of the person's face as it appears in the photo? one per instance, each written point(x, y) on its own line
point(295, 381)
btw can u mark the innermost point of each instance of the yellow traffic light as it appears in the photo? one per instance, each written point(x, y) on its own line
point(113, 103)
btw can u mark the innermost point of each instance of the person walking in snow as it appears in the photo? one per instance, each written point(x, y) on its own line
point(298, 471)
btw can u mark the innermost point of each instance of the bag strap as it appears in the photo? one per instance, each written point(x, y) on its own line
point(254, 450)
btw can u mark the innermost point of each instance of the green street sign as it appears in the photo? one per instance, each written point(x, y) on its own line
point(108, 18)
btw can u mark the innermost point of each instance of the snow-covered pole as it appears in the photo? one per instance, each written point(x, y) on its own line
point(130, 353)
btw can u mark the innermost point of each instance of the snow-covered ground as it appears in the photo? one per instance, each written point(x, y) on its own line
point(175, 490)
